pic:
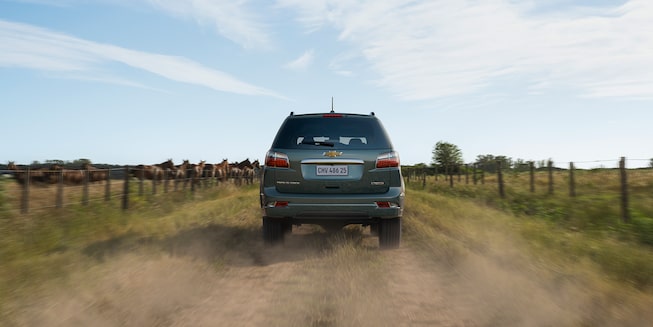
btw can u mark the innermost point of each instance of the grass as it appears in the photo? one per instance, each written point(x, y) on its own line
point(596, 207)
point(563, 229)
point(45, 246)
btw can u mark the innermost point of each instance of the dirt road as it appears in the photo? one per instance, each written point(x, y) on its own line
point(224, 276)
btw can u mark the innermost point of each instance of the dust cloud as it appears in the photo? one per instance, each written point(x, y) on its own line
point(220, 276)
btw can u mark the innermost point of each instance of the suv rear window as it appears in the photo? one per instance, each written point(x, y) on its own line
point(345, 131)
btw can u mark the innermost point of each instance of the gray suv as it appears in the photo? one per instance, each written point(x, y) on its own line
point(332, 169)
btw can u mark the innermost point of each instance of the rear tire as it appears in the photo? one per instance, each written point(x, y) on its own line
point(287, 228)
point(390, 233)
point(273, 230)
point(374, 229)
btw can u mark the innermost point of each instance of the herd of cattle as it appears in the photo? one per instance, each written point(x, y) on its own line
point(238, 171)
point(223, 171)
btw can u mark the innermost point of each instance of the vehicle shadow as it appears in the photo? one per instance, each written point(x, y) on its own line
point(232, 245)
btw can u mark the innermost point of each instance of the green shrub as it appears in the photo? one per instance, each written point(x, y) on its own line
point(643, 229)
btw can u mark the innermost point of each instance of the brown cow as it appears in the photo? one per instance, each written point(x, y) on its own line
point(197, 171)
point(95, 174)
point(147, 172)
point(168, 168)
point(153, 172)
point(247, 170)
point(222, 170)
point(70, 176)
point(38, 175)
point(182, 171)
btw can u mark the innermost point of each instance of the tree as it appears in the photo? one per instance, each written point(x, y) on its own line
point(488, 162)
point(521, 165)
point(447, 155)
point(420, 165)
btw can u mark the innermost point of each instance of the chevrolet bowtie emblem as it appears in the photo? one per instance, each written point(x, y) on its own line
point(332, 154)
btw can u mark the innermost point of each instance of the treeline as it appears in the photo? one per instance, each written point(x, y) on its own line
point(487, 163)
point(448, 159)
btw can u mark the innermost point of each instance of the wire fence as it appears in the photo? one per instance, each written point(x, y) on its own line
point(23, 191)
point(631, 188)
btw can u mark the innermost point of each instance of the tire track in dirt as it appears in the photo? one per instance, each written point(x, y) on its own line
point(472, 293)
point(419, 296)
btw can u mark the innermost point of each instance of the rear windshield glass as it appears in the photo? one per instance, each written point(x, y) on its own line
point(339, 133)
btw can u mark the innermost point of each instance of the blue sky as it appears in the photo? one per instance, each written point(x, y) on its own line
point(141, 81)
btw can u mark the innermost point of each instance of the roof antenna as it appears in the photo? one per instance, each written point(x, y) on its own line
point(332, 105)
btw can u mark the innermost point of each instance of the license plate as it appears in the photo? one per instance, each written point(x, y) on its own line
point(332, 170)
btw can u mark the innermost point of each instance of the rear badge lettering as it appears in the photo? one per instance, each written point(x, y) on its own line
point(287, 183)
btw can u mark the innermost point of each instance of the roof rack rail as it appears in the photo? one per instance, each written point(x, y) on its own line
point(372, 113)
point(292, 113)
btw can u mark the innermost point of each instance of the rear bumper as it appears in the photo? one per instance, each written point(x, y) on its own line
point(351, 208)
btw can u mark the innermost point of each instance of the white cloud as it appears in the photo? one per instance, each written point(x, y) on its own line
point(430, 49)
point(232, 19)
point(301, 63)
point(32, 47)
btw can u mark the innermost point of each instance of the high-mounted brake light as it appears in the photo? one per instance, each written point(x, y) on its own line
point(277, 160)
point(332, 116)
point(386, 160)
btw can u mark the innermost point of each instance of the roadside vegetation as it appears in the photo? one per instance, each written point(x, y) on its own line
point(44, 247)
point(586, 227)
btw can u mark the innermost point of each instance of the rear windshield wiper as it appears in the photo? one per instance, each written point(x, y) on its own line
point(318, 143)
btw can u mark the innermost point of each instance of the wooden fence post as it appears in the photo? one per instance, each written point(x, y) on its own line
point(59, 203)
point(482, 177)
point(192, 181)
point(572, 181)
point(502, 192)
point(625, 214)
point(187, 173)
point(107, 186)
point(165, 180)
point(531, 167)
point(125, 191)
point(474, 174)
point(423, 177)
point(450, 175)
point(141, 175)
point(85, 186)
point(154, 178)
point(466, 174)
point(550, 167)
point(24, 201)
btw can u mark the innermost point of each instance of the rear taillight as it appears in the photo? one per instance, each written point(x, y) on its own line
point(386, 204)
point(386, 160)
point(277, 160)
point(383, 204)
point(277, 204)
